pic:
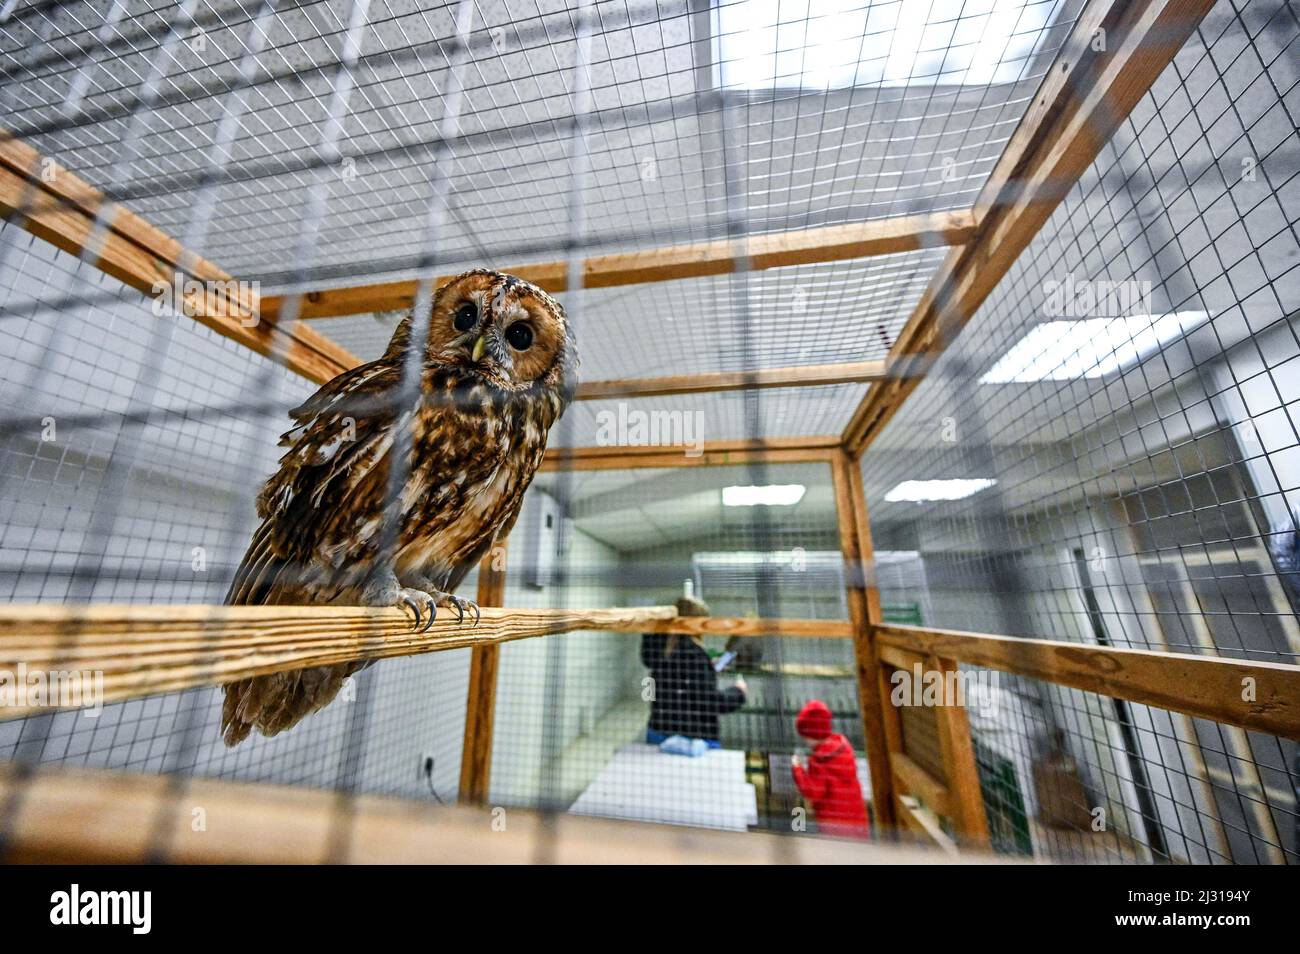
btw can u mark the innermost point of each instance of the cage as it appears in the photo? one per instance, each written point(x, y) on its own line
point(949, 350)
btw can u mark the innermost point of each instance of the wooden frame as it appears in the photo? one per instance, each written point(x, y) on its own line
point(783, 450)
point(481, 700)
point(1081, 103)
point(831, 243)
point(1208, 687)
point(64, 210)
point(864, 613)
point(804, 376)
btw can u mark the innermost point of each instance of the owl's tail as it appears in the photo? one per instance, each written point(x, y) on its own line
point(279, 701)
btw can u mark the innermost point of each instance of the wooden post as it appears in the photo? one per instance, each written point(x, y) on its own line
point(864, 612)
point(480, 706)
point(958, 753)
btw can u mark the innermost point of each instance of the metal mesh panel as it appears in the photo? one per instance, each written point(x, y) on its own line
point(918, 140)
point(1135, 478)
point(1139, 490)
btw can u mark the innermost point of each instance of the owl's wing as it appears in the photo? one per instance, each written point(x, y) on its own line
point(333, 473)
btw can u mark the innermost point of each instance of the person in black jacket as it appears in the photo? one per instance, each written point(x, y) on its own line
point(686, 700)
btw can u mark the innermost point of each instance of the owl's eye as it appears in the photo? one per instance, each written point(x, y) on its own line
point(520, 336)
point(465, 318)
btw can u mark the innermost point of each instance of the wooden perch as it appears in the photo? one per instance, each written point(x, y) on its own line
point(59, 207)
point(144, 650)
point(831, 243)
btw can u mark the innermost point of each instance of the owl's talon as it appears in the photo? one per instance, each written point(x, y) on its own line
point(414, 607)
point(433, 616)
point(462, 605)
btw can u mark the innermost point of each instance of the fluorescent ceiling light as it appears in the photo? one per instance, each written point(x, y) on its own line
point(917, 491)
point(1091, 348)
point(837, 44)
point(773, 495)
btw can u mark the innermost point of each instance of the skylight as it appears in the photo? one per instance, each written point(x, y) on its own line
point(1089, 348)
point(837, 44)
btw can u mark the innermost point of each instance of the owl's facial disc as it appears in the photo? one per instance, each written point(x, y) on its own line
point(497, 328)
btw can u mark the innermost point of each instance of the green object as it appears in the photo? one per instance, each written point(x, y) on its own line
point(905, 614)
point(1004, 804)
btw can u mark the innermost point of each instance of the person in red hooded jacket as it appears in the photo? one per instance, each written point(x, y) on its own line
point(830, 781)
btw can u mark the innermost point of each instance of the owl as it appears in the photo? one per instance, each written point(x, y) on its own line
point(498, 371)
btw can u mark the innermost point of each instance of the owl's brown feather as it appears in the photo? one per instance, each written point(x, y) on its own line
point(478, 435)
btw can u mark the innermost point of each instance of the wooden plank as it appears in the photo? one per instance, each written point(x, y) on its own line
point(813, 375)
point(142, 650)
point(90, 816)
point(743, 626)
point(900, 658)
point(925, 824)
point(481, 701)
point(911, 779)
point(864, 611)
point(1208, 687)
point(1082, 101)
point(966, 809)
point(963, 801)
point(60, 208)
point(697, 260)
point(778, 450)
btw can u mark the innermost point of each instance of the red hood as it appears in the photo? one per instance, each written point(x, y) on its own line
point(814, 721)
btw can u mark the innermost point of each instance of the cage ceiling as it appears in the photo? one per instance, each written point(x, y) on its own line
point(335, 145)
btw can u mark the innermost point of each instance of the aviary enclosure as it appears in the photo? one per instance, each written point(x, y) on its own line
point(947, 343)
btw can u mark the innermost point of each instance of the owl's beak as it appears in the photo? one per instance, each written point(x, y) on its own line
point(480, 346)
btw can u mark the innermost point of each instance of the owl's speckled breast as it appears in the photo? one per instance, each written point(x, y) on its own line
point(476, 456)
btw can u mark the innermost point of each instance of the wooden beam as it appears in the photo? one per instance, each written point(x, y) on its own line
point(481, 701)
point(94, 816)
point(1082, 101)
point(957, 750)
point(1261, 696)
point(743, 626)
point(803, 376)
point(864, 611)
point(911, 779)
point(129, 651)
point(61, 208)
point(774, 450)
point(57, 206)
point(924, 824)
point(831, 243)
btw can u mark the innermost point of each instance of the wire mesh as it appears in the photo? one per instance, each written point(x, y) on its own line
point(1143, 490)
point(1125, 479)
